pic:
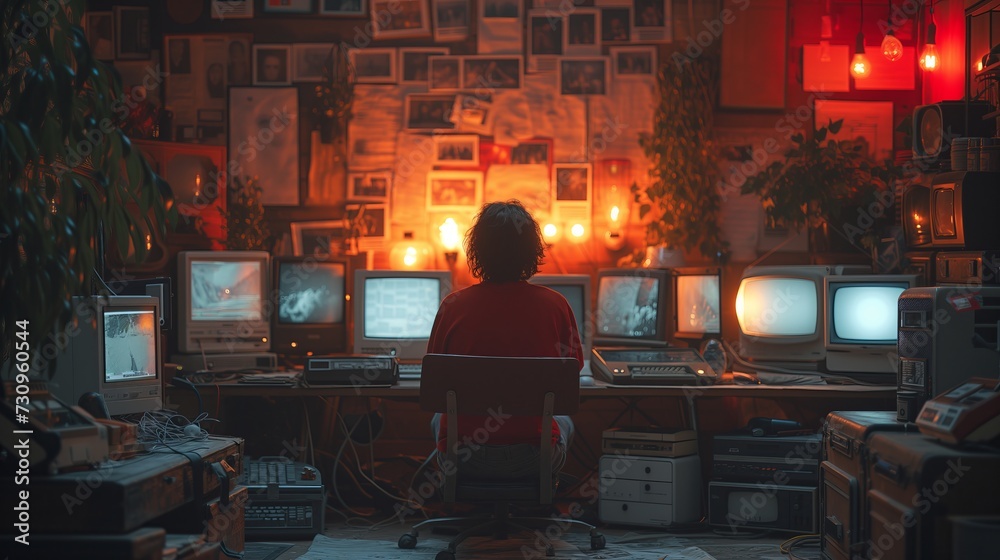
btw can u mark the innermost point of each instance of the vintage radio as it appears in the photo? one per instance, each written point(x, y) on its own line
point(738, 506)
point(351, 370)
point(917, 486)
point(785, 459)
point(843, 478)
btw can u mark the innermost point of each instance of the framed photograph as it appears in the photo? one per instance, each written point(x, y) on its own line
point(532, 152)
point(454, 190)
point(428, 112)
point(371, 186)
point(572, 184)
point(584, 76)
point(545, 41)
point(343, 7)
point(414, 64)
point(374, 66)
point(132, 33)
point(616, 22)
point(471, 113)
point(499, 9)
point(100, 30)
point(652, 21)
point(369, 224)
point(308, 60)
point(445, 72)
point(288, 6)
point(456, 149)
point(272, 65)
point(867, 122)
point(318, 239)
point(407, 18)
point(492, 72)
point(232, 9)
point(582, 36)
point(258, 113)
point(633, 62)
point(451, 20)
point(178, 55)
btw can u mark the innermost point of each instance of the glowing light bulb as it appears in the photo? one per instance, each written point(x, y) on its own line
point(449, 235)
point(550, 231)
point(892, 48)
point(979, 66)
point(615, 211)
point(577, 230)
point(410, 257)
point(861, 67)
point(929, 56)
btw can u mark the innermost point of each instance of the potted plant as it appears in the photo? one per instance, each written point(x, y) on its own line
point(71, 183)
point(829, 186)
point(681, 203)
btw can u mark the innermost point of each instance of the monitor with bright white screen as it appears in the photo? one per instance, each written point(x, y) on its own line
point(697, 303)
point(780, 312)
point(576, 289)
point(862, 330)
point(394, 310)
point(311, 315)
point(115, 353)
point(632, 307)
point(221, 301)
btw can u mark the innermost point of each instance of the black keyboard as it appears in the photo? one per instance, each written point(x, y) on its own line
point(287, 499)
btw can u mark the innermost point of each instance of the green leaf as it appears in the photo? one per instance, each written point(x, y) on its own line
point(835, 125)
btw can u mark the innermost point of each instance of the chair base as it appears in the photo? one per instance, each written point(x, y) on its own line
point(500, 524)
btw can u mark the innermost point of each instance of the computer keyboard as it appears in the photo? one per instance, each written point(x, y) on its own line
point(410, 370)
point(287, 499)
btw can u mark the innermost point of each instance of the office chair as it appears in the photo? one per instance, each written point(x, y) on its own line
point(476, 385)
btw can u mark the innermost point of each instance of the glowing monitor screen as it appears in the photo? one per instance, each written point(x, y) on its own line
point(944, 212)
point(310, 294)
point(628, 306)
point(772, 306)
point(400, 308)
point(866, 313)
point(130, 345)
point(226, 290)
point(698, 304)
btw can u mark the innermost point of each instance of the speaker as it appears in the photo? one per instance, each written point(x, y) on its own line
point(936, 125)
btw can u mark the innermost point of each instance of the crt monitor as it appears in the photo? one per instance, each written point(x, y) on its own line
point(780, 312)
point(310, 316)
point(116, 353)
point(221, 301)
point(394, 310)
point(861, 328)
point(963, 210)
point(632, 307)
point(576, 289)
point(697, 303)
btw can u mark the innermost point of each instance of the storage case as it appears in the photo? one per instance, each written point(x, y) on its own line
point(843, 478)
point(917, 485)
point(650, 491)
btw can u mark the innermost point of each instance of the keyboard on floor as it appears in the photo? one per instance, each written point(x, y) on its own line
point(287, 499)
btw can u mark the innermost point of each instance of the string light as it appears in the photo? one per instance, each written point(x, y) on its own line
point(929, 56)
point(861, 67)
point(892, 48)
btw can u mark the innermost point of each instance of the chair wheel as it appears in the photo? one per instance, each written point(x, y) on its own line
point(444, 555)
point(407, 541)
point(597, 541)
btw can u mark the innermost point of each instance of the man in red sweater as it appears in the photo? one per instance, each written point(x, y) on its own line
point(504, 315)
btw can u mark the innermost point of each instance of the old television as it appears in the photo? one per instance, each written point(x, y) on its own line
point(633, 307)
point(394, 310)
point(963, 210)
point(116, 353)
point(222, 302)
point(697, 303)
point(936, 124)
point(780, 313)
point(576, 289)
point(916, 216)
point(861, 327)
point(310, 314)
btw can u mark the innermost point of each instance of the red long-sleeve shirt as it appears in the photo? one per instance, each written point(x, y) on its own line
point(513, 319)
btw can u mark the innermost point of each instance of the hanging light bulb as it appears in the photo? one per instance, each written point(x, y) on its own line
point(929, 60)
point(861, 67)
point(892, 48)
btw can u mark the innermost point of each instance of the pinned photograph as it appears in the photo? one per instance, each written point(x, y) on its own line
point(308, 60)
point(582, 35)
point(372, 186)
point(374, 66)
point(496, 72)
point(414, 64)
point(271, 65)
point(342, 7)
point(616, 23)
point(571, 183)
point(500, 9)
point(532, 152)
point(456, 150)
point(451, 20)
point(428, 112)
point(368, 224)
point(472, 114)
point(392, 19)
point(319, 239)
point(652, 21)
point(633, 62)
point(445, 72)
point(454, 190)
point(545, 41)
point(584, 76)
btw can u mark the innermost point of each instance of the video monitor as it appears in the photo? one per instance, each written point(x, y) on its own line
point(632, 307)
point(576, 289)
point(697, 303)
point(311, 315)
point(129, 344)
point(394, 310)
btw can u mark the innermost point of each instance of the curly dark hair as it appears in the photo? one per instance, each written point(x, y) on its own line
point(504, 243)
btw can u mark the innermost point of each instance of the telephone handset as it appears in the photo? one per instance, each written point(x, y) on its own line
point(967, 413)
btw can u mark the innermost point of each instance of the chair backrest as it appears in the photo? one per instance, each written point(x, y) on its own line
point(484, 383)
